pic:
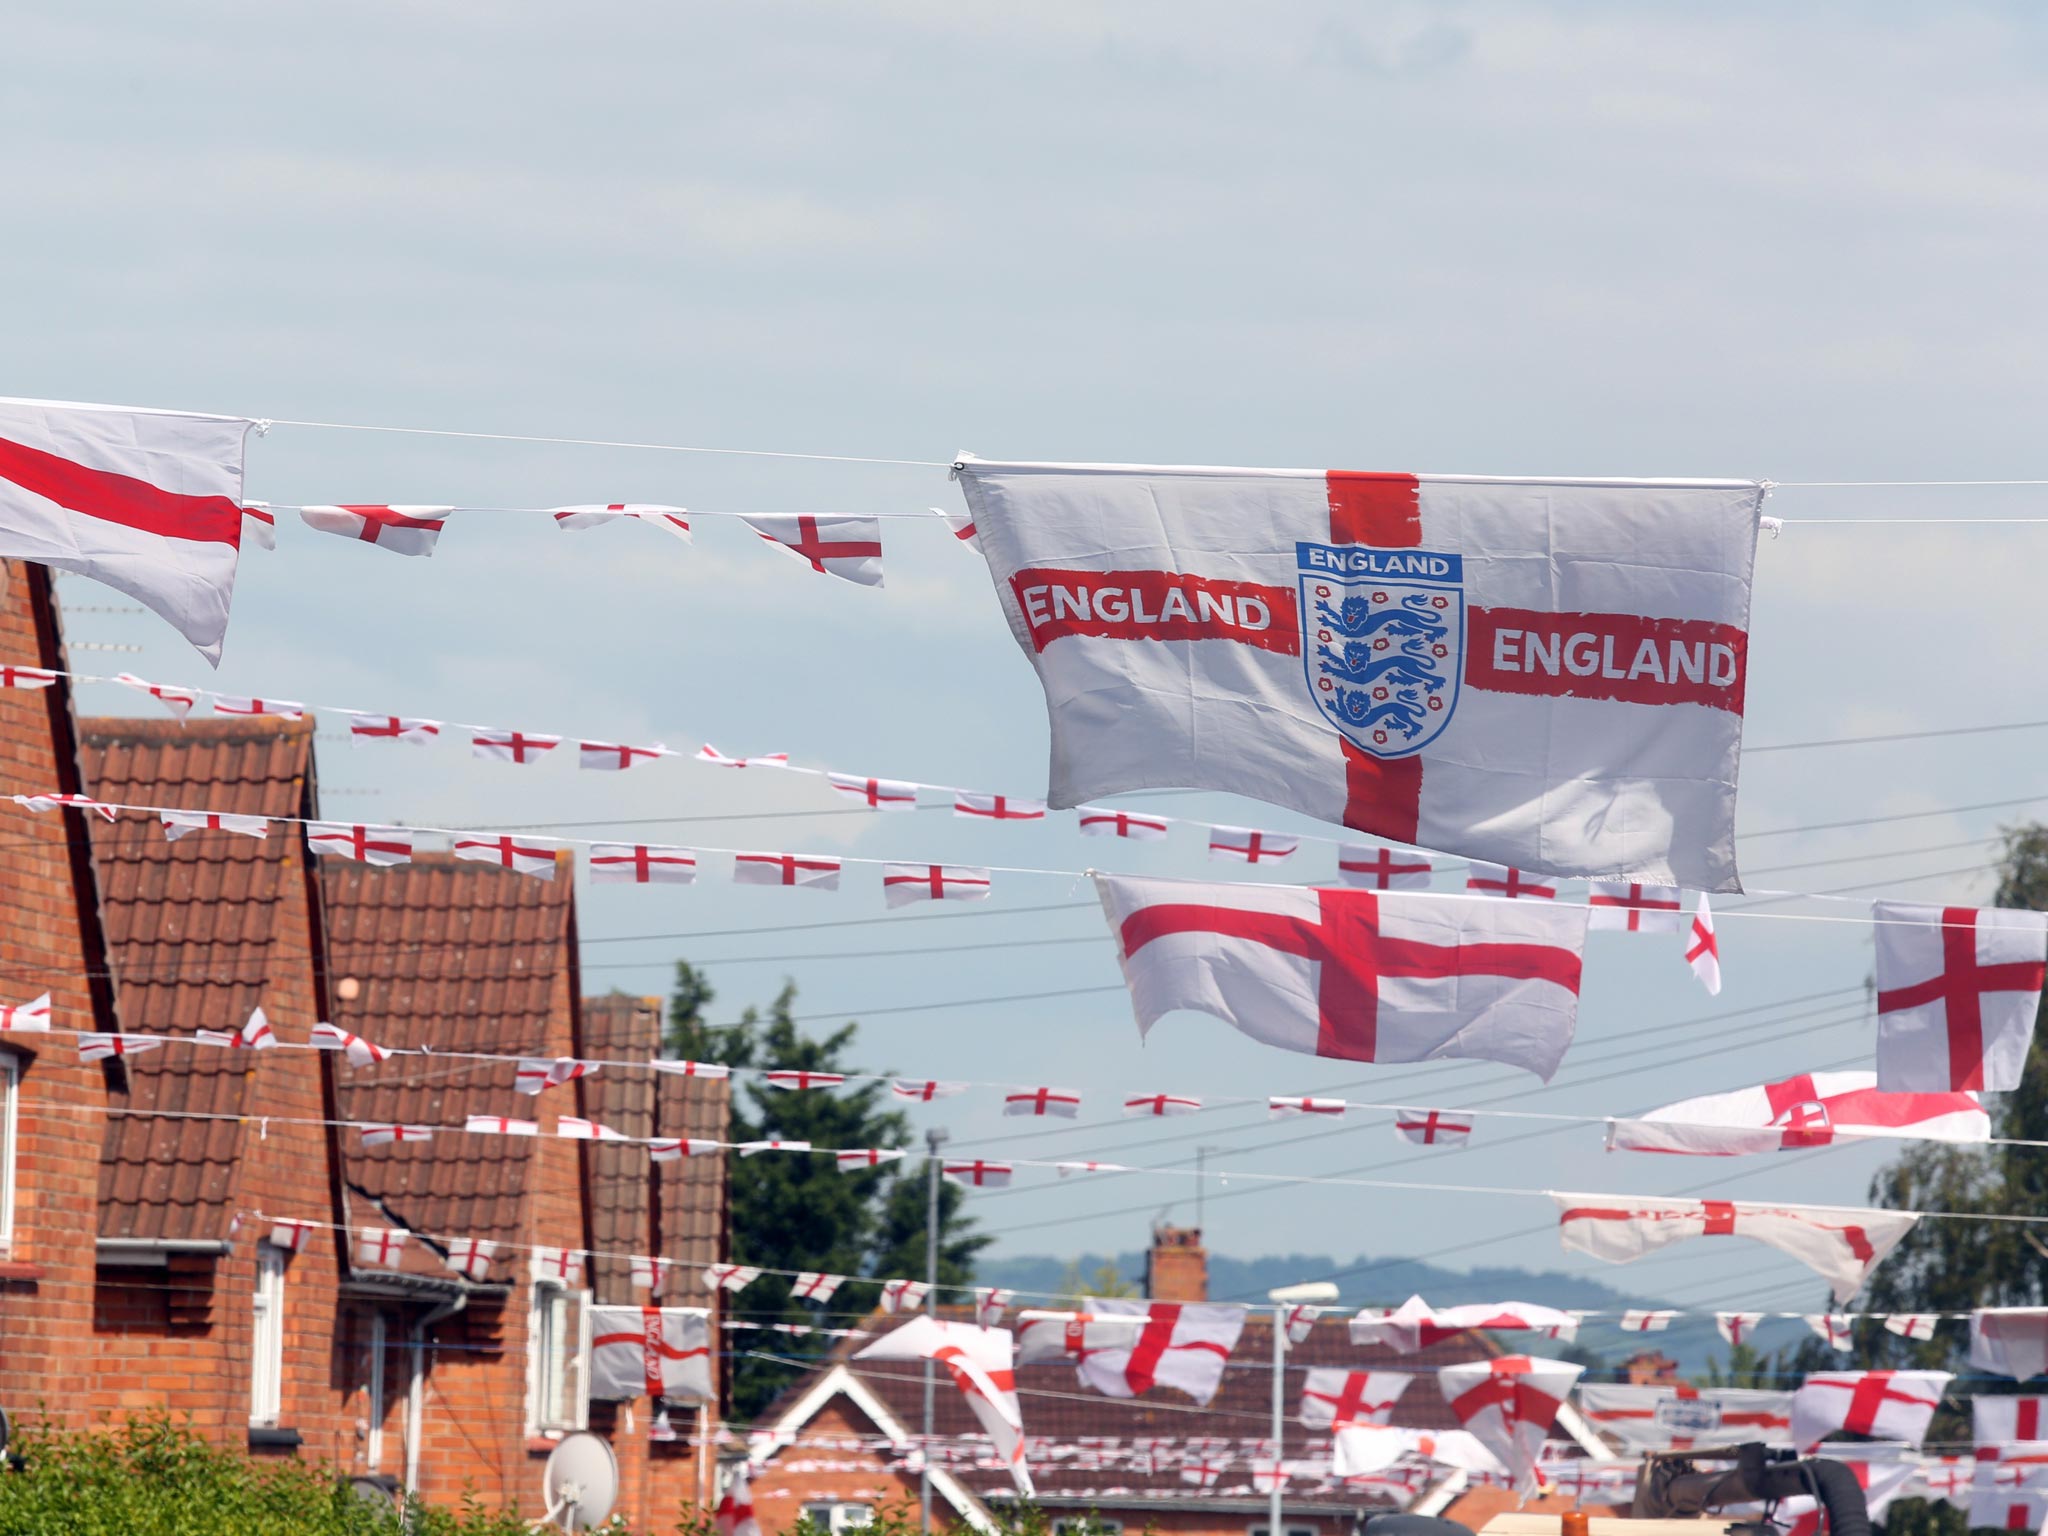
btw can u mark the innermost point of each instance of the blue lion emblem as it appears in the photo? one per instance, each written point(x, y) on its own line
point(1383, 635)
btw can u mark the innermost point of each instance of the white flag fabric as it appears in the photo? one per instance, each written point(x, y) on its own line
point(559, 1266)
point(1912, 1325)
point(259, 524)
point(1415, 1324)
point(1703, 947)
point(650, 1351)
point(903, 884)
point(1809, 1110)
point(364, 727)
point(1509, 1404)
point(290, 1234)
point(499, 1125)
point(1299, 1320)
point(470, 1257)
point(370, 845)
point(1161, 1104)
point(730, 1277)
point(847, 547)
point(377, 1247)
point(401, 529)
point(28, 1017)
point(511, 746)
point(874, 794)
point(978, 1173)
point(1507, 883)
point(819, 874)
point(672, 520)
point(646, 1272)
point(1736, 1327)
point(1547, 674)
point(1278, 1108)
point(1840, 1245)
point(615, 756)
point(178, 701)
point(1354, 975)
point(1833, 1330)
point(2008, 1498)
point(520, 855)
point(1633, 907)
point(815, 1285)
point(1679, 1417)
point(1382, 869)
point(997, 807)
point(148, 502)
point(1363, 1449)
point(251, 708)
point(989, 1303)
point(925, 1089)
point(1886, 1405)
point(1107, 821)
point(1957, 992)
point(1998, 1420)
point(1645, 1320)
point(641, 864)
point(1181, 1345)
point(903, 1295)
point(1049, 1337)
point(178, 823)
point(1432, 1127)
point(1248, 845)
point(1332, 1396)
point(735, 1513)
point(1061, 1103)
point(981, 1365)
point(2010, 1341)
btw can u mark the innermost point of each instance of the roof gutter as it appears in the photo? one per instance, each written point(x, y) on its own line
point(156, 1251)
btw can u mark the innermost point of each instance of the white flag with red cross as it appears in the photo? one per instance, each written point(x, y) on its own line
point(256, 1033)
point(2010, 1341)
point(1159, 1104)
point(278, 709)
point(148, 502)
point(925, 1089)
point(1062, 1103)
point(521, 855)
point(614, 756)
point(470, 1257)
point(847, 547)
point(1181, 1345)
point(903, 884)
point(671, 520)
point(511, 746)
point(1509, 1405)
point(178, 701)
point(1380, 868)
point(813, 1285)
point(556, 1266)
point(391, 1134)
point(2000, 1420)
point(809, 870)
point(989, 1303)
point(1332, 1397)
point(1300, 1321)
point(673, 1149)
point(997, 807)
point(1508, 884)
point(676, 1067)
point(404, 530)
point(1832, 1329)
point(1415, 1324)
point(1946, 1479)
point(1885, 1405)
point(771, 1144)
point(1050, 1337)
point(1810, 1110)
point(735, 1513)
point(368, 845)
point(101, 1047)
point(27, 1017)
point(41, 803)
point(576, 1128)
point(1679, 1417)
point(1645, 1320)
point(1248, 845)
point(365, 727)
point(978, 1173)
point(499, 1125)
point(874, 794)
point(1548, 674)
point(1918, 1326)
point(1703, 947)
point(12, 676)
point(651, 1352)
point(982, 1366)
point(1957, 992)
point(1354, 975)
point(1841, 1245)
point(2008, 1497)
point(1278, 1108)
point(641, 864)
point(1433, 1127)
point(646, 1272)
point(799, 1079)
point(710, 754)
point(1629, 906)
point(732, 1278)
point(377, 1247)
point(1090, 1166)
point(1107, 821)
point(903, 1295)
point(178, 823)
point(289, 1234)
point(1736, 1327)
point(259, 524)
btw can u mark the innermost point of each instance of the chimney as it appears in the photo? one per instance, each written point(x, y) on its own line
point(1177, 1268)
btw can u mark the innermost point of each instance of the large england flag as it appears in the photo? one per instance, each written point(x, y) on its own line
point(652, 1351)
point(1332, 1396)
point(148, 502)
point(1809, 1110)
point(1842, 1246)
point(1957, 993)
point(1509, 1404)
point(1355, 975)
point(1679, 1417)
point(1179, 1345)
point(1547, 674)
point(1887, 1405)
point(981, 1365)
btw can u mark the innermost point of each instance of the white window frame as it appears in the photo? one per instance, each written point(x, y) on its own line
point(10, 1092)
point(266, 1338)
point(574, 1356)
point(373, 1440)
point(1076, 1525)
point(839, 1514)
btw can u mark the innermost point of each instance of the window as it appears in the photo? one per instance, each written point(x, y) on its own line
point(1088, 1525)
point(373, 1442)
point(10, 1077)
point(556, 1359)
point(839, 1517)
point(266, 1345)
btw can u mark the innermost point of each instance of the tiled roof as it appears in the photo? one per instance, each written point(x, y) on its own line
point(191, 934)
point(457, 957)
point(1057, 1407)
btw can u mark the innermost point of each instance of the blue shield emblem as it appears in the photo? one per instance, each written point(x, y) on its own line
point(1383, 642)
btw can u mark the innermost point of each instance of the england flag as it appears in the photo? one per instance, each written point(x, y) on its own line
point(1810, 1110)
point(1957, 993)
point(847, 547)
point(402, 530)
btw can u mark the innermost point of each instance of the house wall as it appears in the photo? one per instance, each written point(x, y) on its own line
point(47, 944)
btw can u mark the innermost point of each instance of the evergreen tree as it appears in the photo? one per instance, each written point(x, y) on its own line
point(796, 1212)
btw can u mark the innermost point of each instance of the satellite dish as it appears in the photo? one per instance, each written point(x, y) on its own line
point(373, 1490)
point(580, 1481)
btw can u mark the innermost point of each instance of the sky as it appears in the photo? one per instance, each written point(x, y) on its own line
point(1544, 239)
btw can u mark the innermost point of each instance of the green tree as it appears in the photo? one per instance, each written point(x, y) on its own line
point(1105, 1281)
point(1750, 1367)
point(801, 1213)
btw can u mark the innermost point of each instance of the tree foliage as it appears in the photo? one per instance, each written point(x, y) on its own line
point(802, 1213)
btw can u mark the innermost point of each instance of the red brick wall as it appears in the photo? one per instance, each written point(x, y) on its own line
point(46, 1277)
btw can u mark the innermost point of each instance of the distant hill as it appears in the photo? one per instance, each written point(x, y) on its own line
point(1388, 1282)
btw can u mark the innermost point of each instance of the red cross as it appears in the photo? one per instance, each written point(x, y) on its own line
point(1507, 1388)
point(1354, 955)
point(625, 754)
point(796, 1078)
point(1155, 1340)
point(468, 1256)
point(1158, 1103)
point(398, 1132)
point(1868, 1393)
point(1349, 1405)
point(924, 1092)
point(871, 793)
point(378, 519)
point(561, 1260)
point(1311, 1106)
point(2027, 1425)
point(1432, 1123)
point(789, 865)
point(643, 859)
point(387, 1243)
point(935, 879)
point(1123, 821)
point(1960, 989)
point(999, 809)
point(977, 1171)
point(1703, 943)
point(817, 551)
point(1255, 848)
point(494, 1123)
point(1041, 1098)
point(507, 850)
point(24, 677)
point(1382, 867)
point(524, 748)
point(1512, 885)
point(357, 843)
point(1636, 903)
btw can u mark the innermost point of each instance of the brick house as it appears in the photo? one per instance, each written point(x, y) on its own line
point(835, 1443)
point(137, 1194)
